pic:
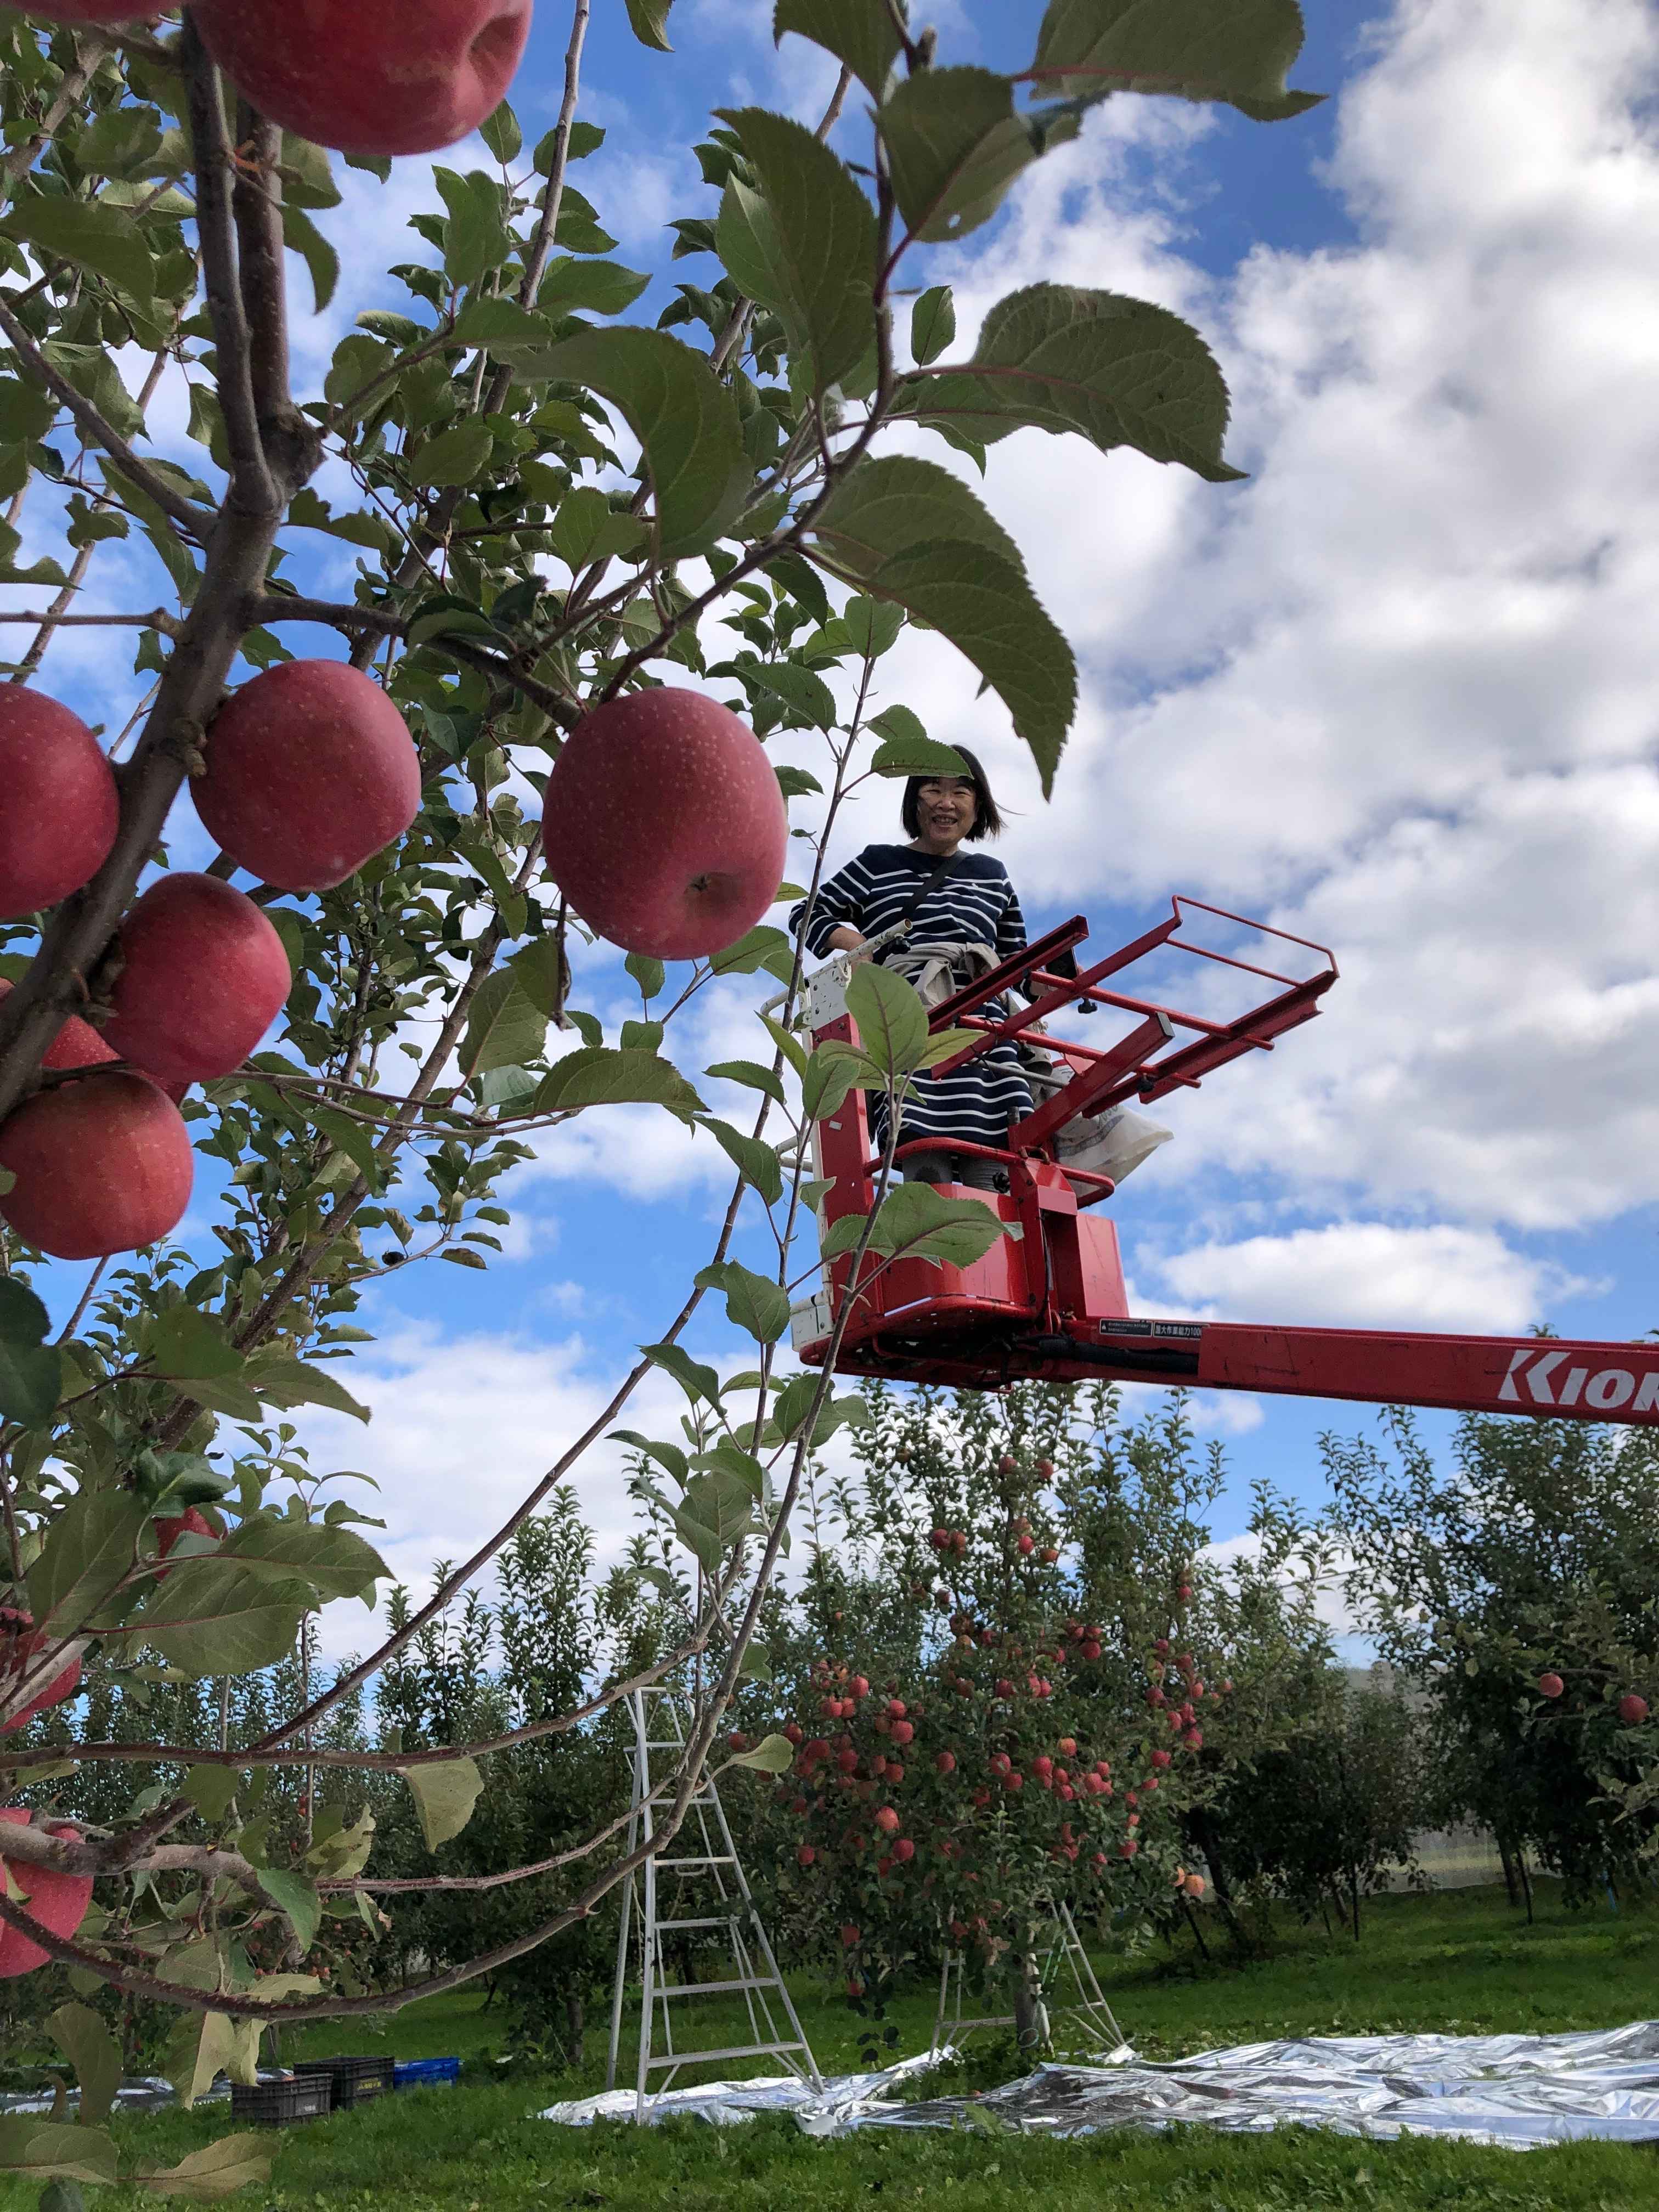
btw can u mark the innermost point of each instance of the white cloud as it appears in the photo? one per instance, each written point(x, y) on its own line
point(464, 1428)
point(1365, 1274)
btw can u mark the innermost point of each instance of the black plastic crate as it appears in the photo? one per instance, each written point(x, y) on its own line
point(352, 2081)
point(282, 2103)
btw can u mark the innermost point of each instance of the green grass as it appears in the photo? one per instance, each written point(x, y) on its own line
point(1460, 1961)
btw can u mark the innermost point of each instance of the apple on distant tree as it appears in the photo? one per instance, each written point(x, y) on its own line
point(61, 806)
point(205, 974)
point(664, 825)
point(1550, 1685)
point(1632, 1710)
point(102, 1164)
point(370, 76)
point(311, 771)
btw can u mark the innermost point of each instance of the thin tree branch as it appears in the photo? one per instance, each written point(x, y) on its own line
point(90, 46)
point(552, 199)
point(196, 521)
point(250, 483)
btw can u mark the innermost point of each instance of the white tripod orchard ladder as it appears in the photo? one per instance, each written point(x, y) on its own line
point(695, 1887)
point(1065, 1954)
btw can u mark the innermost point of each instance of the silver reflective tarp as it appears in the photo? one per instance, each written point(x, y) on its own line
point(1514, 2090)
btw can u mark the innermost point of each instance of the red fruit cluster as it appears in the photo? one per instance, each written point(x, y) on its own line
point(310, 771)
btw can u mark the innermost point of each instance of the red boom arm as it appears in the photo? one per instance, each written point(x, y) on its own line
point(1047, 1302)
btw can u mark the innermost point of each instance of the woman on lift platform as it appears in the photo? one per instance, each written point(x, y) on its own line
point(965, 899)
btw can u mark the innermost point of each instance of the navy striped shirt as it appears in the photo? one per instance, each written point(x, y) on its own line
point(973, 904)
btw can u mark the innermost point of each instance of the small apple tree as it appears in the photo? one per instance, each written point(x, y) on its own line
point(1516, 1589)
point(1000, 1700)
point(391, 773)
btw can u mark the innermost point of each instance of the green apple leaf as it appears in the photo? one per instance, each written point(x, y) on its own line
point(892, 1021)
point(597, 1075)
point(858, 33)
point(650, 20)
point(686, 420)
point(1241, 53)
point(955, 144)
point(772, 1754)
point(216, 1616)
point(804, 243)
point(753, 1302)
point(445, 1794)
point(220, 2169)
point(914, 1222)
point(912, 532)
point(89, 233)
point(505, 1028)
point(91, 2050)
point(1120, 372)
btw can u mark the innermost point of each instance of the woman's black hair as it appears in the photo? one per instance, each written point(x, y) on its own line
point(987, 822)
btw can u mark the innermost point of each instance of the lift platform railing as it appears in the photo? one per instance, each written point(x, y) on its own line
point(1141, 1065)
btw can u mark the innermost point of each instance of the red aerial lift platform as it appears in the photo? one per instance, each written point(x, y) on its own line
point(1047, 1302)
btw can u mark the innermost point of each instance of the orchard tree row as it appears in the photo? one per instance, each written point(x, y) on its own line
point(526, 726)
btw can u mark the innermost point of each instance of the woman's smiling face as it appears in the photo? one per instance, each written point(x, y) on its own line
point(945, 807)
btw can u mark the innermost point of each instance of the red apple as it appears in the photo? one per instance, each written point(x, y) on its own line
point(1068, 1745)
point(946, 1762)
point(941, 1540)
point(311, 771)
point(1550, 1685)
point(1193, 1885)
point(1127, 1849)
point(103, 1164)
point(1632, 1710)
point(57, 1901)
point(887, 1819)
point(20, 1642)
point(1048, 1554)
point(1027, 1546)
point(370, 76)
point(171, 1527)
point(805, 1856)
point(1007, 1465)
point(78, 1044)
point(903, 1732)
point(896, 1707)
point(62, 808)
point(848, 1761)
point(205, 977)
point(904, 1850)
point(849, 1936)
point(793, 1732)
point(664, 825)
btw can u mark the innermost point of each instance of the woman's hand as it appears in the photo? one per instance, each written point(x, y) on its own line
point(845, 940)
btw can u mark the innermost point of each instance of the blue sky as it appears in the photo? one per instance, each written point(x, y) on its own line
point(1393, 693)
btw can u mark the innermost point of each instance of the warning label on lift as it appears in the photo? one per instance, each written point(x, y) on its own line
point(1187, 1330)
